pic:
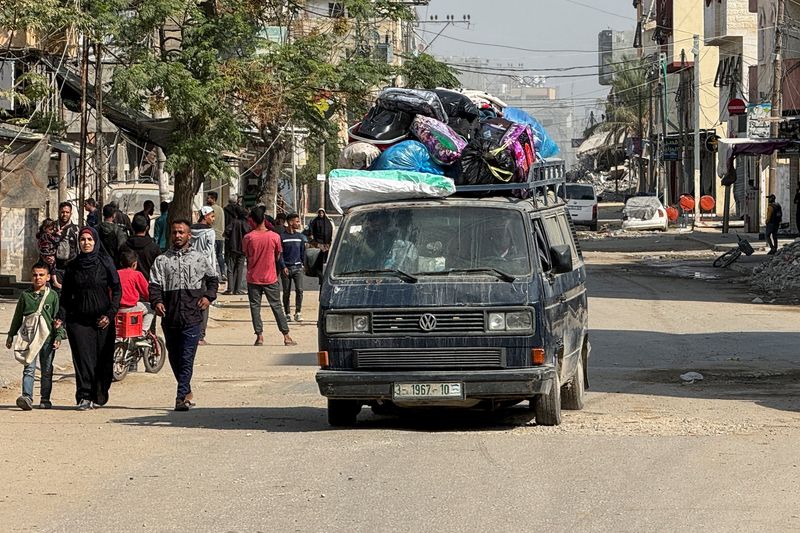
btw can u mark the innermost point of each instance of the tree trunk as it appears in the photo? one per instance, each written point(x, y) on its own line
point(185, 189)
point(275, 160)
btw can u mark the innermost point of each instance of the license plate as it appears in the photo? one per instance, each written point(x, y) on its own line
point(428, 390)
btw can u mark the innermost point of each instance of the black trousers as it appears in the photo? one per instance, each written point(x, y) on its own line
point(771, 233)
point(181, 349)
point(93, 358)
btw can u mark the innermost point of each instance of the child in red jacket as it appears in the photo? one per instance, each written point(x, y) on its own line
point(135, 291)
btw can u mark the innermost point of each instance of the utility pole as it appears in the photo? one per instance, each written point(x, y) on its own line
point(322, 172)
point(84, 125)
point(777, 92)
point(663, 66)
point(295, 194)
point(101, 170)
point(696, 90)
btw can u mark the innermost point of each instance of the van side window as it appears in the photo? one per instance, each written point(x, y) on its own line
point(553, 231)
point(566, 233)
point(542, 249)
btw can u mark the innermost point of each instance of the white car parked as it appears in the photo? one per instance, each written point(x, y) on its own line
point(644, 213)
point(581, 203)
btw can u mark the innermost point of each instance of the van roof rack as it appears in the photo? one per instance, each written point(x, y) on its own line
point(544, 177)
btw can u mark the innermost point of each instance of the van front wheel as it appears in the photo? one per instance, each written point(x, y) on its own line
point(343, 413)
point(547, 407)
point(572, 393)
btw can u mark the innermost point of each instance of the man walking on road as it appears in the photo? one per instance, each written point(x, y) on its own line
point(294, 250)
point(774, 217)
point(219, 233)
point(148, 208)
point(263, 251)
point(183, 283)
point(68, 236)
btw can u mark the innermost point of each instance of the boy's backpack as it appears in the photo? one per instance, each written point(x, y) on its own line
point(32, 334)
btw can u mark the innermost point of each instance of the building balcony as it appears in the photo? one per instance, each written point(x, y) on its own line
point(32, 40)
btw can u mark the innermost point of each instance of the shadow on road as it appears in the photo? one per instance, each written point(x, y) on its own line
point(758, 366)
point(301, 419)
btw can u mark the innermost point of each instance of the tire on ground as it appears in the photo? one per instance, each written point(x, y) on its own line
point(572, 391)
point(343, 413)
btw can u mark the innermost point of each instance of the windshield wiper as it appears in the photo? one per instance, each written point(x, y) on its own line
point(504, 276)
point(408, 278)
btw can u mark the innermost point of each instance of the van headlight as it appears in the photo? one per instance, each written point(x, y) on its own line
point(346, 323)
point(512, 321)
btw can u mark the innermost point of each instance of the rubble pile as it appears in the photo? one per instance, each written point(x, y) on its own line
point(606, 184)
point(781, 273)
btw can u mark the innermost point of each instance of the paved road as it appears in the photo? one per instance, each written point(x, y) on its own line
point(647, 453)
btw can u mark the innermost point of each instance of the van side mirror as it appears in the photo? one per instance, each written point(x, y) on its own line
point(561, 255)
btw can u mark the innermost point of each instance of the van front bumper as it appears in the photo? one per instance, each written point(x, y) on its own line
point(478, 384)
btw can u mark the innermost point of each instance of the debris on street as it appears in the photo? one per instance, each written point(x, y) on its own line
point(690, 377)
point(780, 273)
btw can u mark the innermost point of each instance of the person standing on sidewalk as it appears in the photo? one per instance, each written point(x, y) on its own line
point(234, 254)
point(203, 241)
point(219, 233)
point(774, 217)
point(183, 283)
point(143, 245)
point(29, 302)
point(321, 229)
point(89, 303)
point(263, 251)
point(160, 229)
point(294, 245)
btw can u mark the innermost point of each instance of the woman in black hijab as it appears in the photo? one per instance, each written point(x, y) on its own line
point(89, 302)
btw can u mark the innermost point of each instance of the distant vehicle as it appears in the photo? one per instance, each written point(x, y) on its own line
point(581, 203)
point(644, 213)
point(130, 198)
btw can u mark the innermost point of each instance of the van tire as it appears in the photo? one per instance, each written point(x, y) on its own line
point(547, 407)
point(572, 391)
point(343, 413)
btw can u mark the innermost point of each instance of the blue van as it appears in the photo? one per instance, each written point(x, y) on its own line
point(457, 302)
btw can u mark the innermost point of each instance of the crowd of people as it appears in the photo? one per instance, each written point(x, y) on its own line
point(85, 276)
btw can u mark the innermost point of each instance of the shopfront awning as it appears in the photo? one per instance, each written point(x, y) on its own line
point(749, 146)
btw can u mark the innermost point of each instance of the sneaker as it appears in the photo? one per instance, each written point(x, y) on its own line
point(93, 405)
point(45, 404)
point(84, 405)
point(182, 405)
point(25, 403)
point(288, 317)
point(298, 317)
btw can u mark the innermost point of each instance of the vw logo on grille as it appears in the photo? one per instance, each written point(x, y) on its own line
point(427, 322)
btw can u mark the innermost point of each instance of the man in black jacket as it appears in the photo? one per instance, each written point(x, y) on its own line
point(321, 229)
point(112, 235)
point(145, 247)
point(183, 283)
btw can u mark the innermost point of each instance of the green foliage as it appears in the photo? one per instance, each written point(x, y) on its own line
point(626, 112)
point(47, 123)
point(426, 72)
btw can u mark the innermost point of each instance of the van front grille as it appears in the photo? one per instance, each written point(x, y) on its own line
point(447, 322)
point(429, 358)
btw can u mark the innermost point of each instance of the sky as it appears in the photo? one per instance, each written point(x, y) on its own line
point(545, 25)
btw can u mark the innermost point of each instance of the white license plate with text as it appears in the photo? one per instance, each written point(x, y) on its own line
point(428, 390)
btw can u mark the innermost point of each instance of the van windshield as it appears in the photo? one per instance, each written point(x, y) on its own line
point(434, 241)
point(580, 192)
